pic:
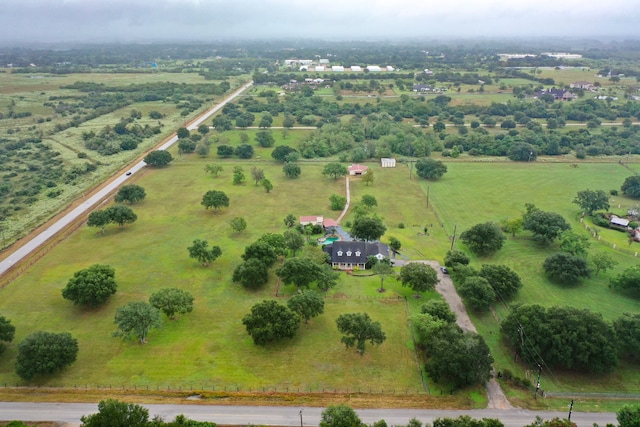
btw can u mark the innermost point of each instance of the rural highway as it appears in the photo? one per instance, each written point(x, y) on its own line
point(287, 416)
point(86, 205)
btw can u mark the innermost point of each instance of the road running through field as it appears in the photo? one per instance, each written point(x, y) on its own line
point(37, 241)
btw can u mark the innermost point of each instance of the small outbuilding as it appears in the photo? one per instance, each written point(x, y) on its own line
point(312, 219)
point(388, 163)
point(357, 170)
point(619, 222)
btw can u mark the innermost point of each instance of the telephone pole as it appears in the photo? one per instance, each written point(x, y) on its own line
point(535, 395)
point(453, 239)
point(570, 409)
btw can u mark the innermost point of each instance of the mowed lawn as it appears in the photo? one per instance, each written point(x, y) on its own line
point(471, 193)
point(210, 346)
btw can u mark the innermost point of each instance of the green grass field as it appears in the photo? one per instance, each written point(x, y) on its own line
point(472, 192)
point(210, 346)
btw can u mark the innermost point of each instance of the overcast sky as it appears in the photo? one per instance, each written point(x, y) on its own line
point(154, 20)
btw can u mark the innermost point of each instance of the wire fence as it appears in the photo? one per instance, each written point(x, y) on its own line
point(221, 388)
point(596, 235)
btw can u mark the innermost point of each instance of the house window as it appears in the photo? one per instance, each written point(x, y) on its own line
point(349, 253)
point(358, 253)
point(339, 253)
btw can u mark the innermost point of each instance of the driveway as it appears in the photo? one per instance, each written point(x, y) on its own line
point(497, 399)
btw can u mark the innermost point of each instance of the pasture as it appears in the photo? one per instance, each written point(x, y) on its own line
point(473, 192)
point(209, 346)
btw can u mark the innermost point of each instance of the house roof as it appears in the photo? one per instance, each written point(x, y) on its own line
point(355, 252)
point(357, 167)
point(311, 218)
point(622, 222)
point(328, 222)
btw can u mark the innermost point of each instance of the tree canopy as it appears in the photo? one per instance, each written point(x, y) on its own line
point(91, 286)
point(628, 280)
point(136, 319)
point(483, 239)
point(368, 228)
point(307, 304)
point(545, 226)
point(629, 415)
point(477, 292)
point(215, 199)
point(291, 170)
point(261, 251)
point(592, 200)
point(270, 321)
point(130, 193)
point(158, 158)
point(251, 274)
point(281, 152)
point(121, 214)
point(113, 413)
point(45, 353)
point(566, 337)
point(430, 169)
point(7, 331)
point(419, 277)
point(602, 261)
point(566, 268)
point(631, 187)
point(505, 282)
point(200, 251)
point(342, 416)
point(335, 170)
point(357, 329)
point(300, 271)
point(172, 301)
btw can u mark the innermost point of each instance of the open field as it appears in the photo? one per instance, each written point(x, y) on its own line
point(51, 108)
point(471, 193)
point(210, 345)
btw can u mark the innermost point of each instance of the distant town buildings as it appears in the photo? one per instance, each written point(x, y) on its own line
point(323, 65)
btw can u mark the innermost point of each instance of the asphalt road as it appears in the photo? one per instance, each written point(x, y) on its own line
point(285, 416)
point(85, 206)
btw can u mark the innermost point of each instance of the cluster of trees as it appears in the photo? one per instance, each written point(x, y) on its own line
point(453, 356)
point(571, 338)
point(271, 321)
point(117, 214)
point(482, 288)
point(124, 136)
point(136, 319)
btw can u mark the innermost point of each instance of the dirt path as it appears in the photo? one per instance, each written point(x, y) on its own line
point(497, 399)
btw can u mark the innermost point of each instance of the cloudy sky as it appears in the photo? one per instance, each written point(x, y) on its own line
point(154, 20)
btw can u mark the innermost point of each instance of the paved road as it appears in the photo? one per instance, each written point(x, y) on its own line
point(41, 238)
point(286, 416)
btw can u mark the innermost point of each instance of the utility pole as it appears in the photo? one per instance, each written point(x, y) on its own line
point(570, 409)
point(535, 395)
point(453, 239)
point(428, 196)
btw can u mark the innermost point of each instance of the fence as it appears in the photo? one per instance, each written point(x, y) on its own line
point(594, 233)
point(205, 388)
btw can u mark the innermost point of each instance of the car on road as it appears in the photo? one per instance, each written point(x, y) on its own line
point(444, 270)
point(128, 173)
